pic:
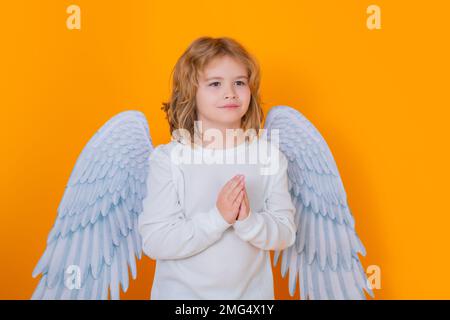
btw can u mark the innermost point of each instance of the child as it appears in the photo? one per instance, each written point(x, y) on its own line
point(211, 223)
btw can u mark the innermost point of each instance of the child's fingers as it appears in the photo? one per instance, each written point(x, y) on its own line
point(227, 185)
point(231, 181)
point(238, 200)
point(240, 209)
point(231, 185)
point(235, 191)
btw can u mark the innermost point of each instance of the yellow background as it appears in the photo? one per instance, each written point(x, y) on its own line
point(380, 98)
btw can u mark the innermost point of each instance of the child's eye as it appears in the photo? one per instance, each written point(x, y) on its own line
point(215, 84)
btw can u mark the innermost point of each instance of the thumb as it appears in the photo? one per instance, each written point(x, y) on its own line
point(241, 209)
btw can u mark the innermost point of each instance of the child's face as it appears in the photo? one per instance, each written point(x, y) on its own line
point(224, 81)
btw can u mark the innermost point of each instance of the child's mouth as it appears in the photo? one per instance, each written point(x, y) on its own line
point(230, 106)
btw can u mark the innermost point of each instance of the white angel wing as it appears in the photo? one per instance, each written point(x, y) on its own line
point(95, 236)
point(325, 253)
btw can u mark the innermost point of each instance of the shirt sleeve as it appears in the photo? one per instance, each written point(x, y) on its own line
point(165, 230)
point(273, 228)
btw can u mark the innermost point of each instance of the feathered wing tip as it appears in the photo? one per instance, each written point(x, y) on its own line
point(324, 258)
point(94, 241)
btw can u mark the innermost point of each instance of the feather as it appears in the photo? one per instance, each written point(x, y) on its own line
point(96, 227)
point(326, 243)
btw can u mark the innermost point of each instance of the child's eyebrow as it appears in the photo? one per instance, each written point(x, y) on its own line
point(220, 78)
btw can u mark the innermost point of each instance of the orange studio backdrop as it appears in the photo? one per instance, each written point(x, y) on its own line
point(379, 96)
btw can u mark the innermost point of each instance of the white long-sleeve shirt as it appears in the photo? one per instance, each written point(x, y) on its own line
point(199, 254)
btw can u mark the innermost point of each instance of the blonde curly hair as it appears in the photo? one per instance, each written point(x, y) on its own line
point(181, 108)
